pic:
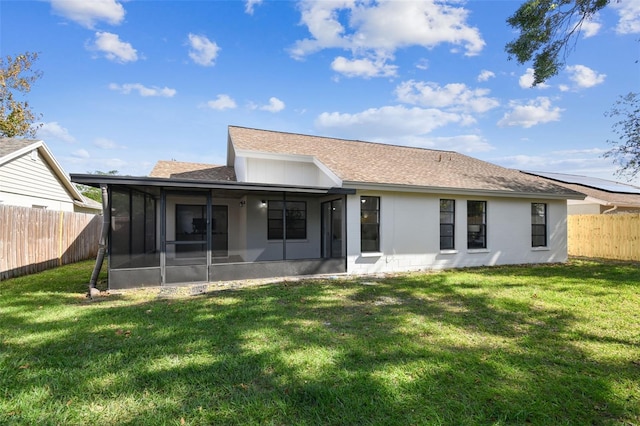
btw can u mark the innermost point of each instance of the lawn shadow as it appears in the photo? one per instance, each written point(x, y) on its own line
point(416, 349)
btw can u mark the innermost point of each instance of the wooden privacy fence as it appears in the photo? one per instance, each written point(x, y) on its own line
point(604, 236)
point(32, 240)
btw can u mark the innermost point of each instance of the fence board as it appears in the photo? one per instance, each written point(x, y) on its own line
point(604, 236)
point(32, 240)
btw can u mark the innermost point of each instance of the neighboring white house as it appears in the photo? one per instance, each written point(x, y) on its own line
point(292, 204)
point(31, 177)
point(601, 196)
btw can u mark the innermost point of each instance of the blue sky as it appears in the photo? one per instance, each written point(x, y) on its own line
point(128, 83)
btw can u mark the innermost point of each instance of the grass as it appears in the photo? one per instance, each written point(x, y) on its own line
point(530, 345)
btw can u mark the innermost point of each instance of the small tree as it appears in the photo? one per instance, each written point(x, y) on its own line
point(91, 192)
point(548, 29)
point(16, 77)
point(626, 151)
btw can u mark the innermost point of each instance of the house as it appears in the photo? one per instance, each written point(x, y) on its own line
point(601, 196)
point(290, 204)
point(31, 177)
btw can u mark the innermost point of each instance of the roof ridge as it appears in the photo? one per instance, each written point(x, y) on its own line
point(347, 140)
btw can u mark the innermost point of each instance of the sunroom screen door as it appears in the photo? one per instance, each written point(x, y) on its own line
point(188, 238)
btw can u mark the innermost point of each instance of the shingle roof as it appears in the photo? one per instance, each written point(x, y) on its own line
point(607, 197)
point(200, 171)
point(376, 163)
point(11, 145)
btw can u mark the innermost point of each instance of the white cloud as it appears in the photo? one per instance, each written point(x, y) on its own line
point(104, 143)
point(275, 105)
point(88, 13)
point(455, 96)
point(534, 112)
point(526, 80)
point(363, 67)
point(113, 48)
point(387, 122)
point(629, 12)
point(202, 50)
point(585, 77)
point(584, 162)
point(485, 75)
point(250, 4)
point(144, 91)
point(459, 143)
point(222, 102)
point(53, 130)
point(378, 29)
point(590, 28)
point(81, 153)
point(423, 64)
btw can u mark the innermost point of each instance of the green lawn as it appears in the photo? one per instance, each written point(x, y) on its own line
point(541, 345)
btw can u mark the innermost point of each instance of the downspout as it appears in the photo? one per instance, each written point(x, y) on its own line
point(611, 209)
point(102, 244)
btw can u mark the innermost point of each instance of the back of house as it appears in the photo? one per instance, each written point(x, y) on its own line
point(288, 204)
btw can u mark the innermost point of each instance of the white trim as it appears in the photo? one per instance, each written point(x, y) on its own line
point(371, 254)
point(449, 252)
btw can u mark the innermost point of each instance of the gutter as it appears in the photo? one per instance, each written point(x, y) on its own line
point(461, 191)
point(611, 210)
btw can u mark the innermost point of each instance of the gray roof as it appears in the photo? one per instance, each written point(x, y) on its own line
point(590, 182)
point(11, 145)
point(183, 170)
point(361, 162)
point(605, 191)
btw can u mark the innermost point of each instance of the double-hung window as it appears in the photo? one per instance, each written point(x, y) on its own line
point(538, 225)
point(447, 224)
point(295, 217)
point(476, 224)
point(369, 224)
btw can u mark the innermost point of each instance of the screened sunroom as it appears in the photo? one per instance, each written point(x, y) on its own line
point(170, 231)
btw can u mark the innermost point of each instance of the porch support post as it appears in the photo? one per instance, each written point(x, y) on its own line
point(209, 233)
point(163, 235)
point(284, 226)
point(102, 244)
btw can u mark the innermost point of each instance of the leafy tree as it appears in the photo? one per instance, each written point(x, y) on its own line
point(16, 77)
point(91, 192)
point(548, 29)
point(626, 152)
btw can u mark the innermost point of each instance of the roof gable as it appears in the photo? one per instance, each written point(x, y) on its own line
point(12, 148)
point(358, 162)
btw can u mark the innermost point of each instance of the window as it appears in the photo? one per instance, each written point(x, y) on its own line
point(447, 224)
point(538, 225)
point(369, 224)
point(296, 220)
point(476, 224)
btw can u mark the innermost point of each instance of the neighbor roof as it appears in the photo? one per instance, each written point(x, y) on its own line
point(12, 148)
point(358, 162)
point(603, 191)
point(183, 170)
